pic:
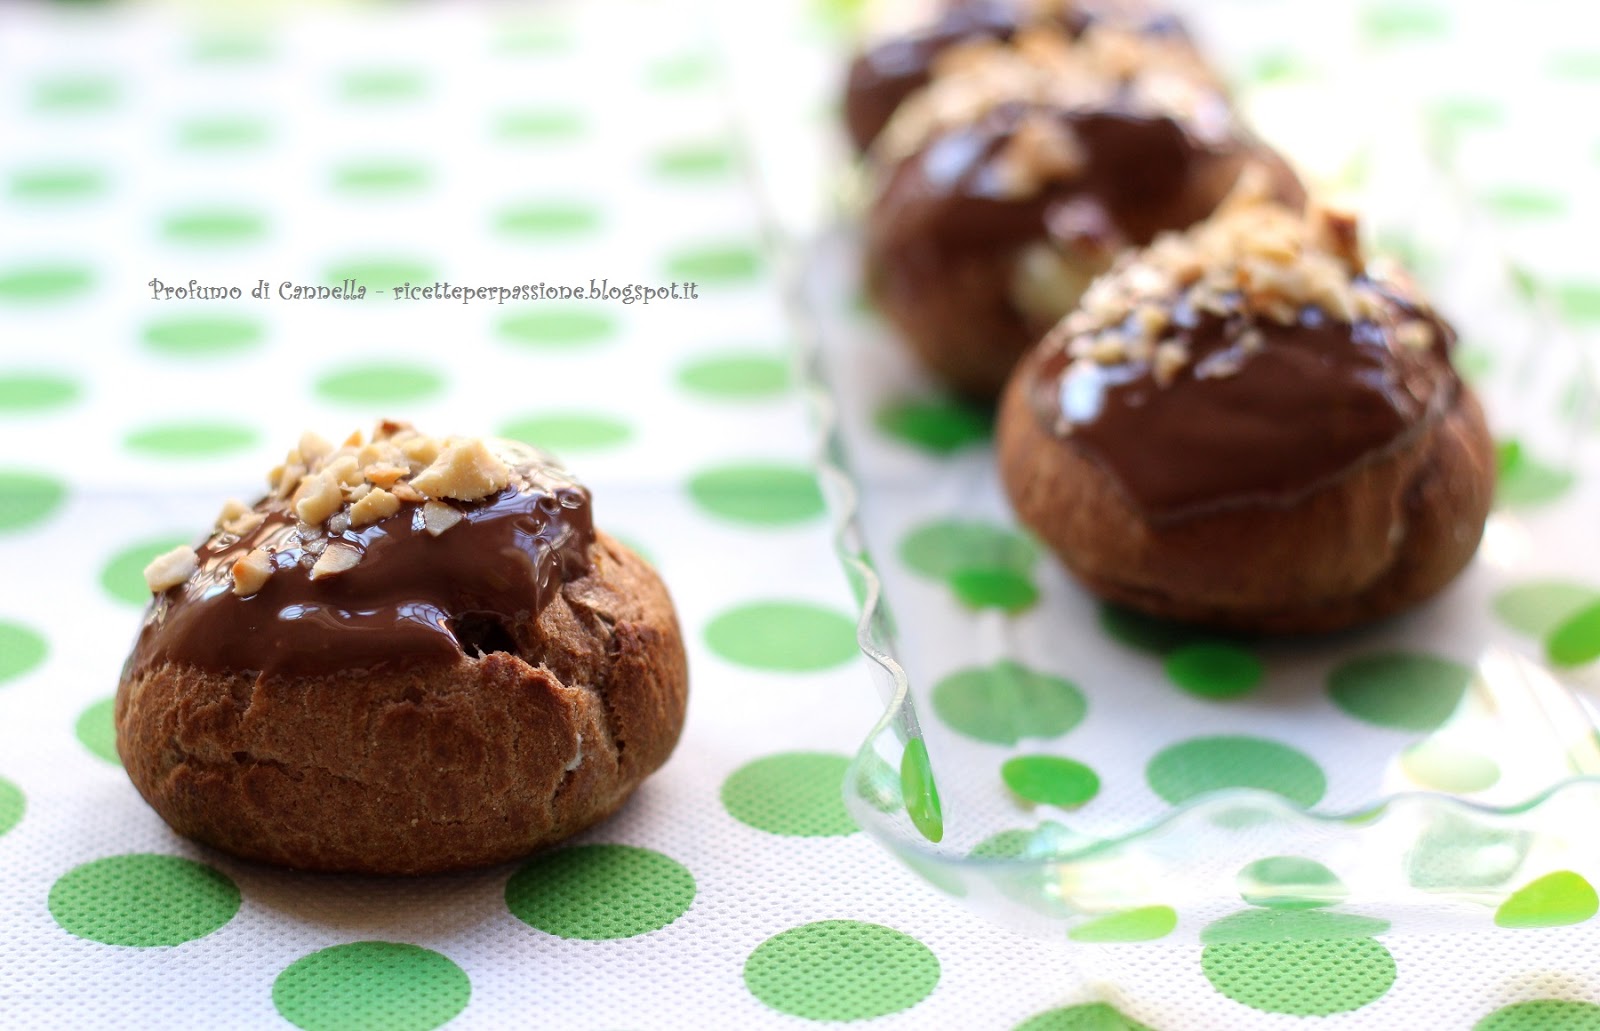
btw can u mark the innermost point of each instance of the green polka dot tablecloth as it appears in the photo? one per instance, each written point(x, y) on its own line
point(636, 143)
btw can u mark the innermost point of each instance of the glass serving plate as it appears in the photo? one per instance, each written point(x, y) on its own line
point(1072, 769)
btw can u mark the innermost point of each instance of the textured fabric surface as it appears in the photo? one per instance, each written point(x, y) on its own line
point(480, 145)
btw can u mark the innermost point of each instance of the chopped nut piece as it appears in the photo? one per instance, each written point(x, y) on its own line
point(352, 441)
point(383, 475)
point(1414, 333)
point(405, 492)
point(1170, 357)
point(378, 504)
point(344, 471)
point(339, 523)
point(357, 493)
point(438, 517)
point(312, 448)
point(318, 498)
point(465, 471)
point(244, 523)
point(171, 568)
point(335, 560)
point(420, 450)
point(251, 573)
point(232, 509)
point(285, 479)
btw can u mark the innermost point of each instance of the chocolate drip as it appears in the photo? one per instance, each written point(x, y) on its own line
point(1265, 424)
point(413, 598)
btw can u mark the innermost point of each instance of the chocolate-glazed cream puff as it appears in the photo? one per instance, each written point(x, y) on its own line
point(1249, 426)
point(412, 655)
point(894, 67)
point(1019, 173)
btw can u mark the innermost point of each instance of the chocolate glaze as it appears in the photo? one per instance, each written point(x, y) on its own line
point(413, 598)
point(883, 76)
point(1319, 399)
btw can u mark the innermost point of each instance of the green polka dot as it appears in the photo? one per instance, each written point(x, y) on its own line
point(986, 566)
point(938, 425)
point(600, 892)
point(209, 228)
point(381, 275)
point(222, 132)
point(74, 92)
point(1543, 1015)
point(558, 328)
point(783, 636)
point(43, 283)
point(920, 791)
point(561, 219)
point(736, 375)
point(759, 493)
point(379, 383)
point(21, 650)
point(1146, 633)
point(1554, 900)
point(375, 176)
point(1147, 923)
point(1006, 702)
point(12, 805)
point(1214, 670)
point(1524, 203)
point(123, 575)
point(56, 185)
point(539, 126)
point(1281, 66)
point(143, 900)
point(841, 970)
point(1539, 607)
point(198, 336)
point(1049, 840)
point(191, 439)
point(1050, 780)
point(1090, 1016)
point(569, 431)
point(22, 392)
point(534, 39)
point(27, 499)
point(1576, 64)
point(1202, 765)
point(719, 264)
point(382, 85)
point(681, 72)
point(371, 986)
point(1445, 767)
point(798, 794)
point(1404, 22)
point(231, 48)
point(1579, 302)
point(1456, 852)
point(1525, 482)
point(96, 730)
point(1576, 642)
point(1401, 690)
point(1303, 963)
point(1460, 113)
point(1290, 882)
point(695, 161)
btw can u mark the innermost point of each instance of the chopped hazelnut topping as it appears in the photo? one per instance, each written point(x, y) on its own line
point(312, 448)
point(1255, 262)
point(356, 493)
point(344, 471)
point(1170, 357)
point(1106, 67)
point(438, 517)
point(334, 560)
point(251, 572)
point(318, 498)
point(171, 568)
point(232, 509)
point(407, 493)
point(420, 450)
point(244, 523)
point(1414, 333)
point(382, 474)
point(465, 471)
point(378, 504)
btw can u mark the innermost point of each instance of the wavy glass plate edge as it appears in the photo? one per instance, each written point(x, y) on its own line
point(1453, 861)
